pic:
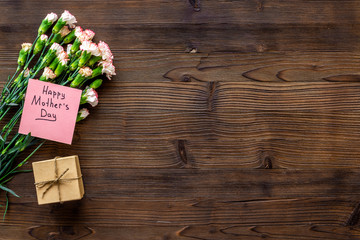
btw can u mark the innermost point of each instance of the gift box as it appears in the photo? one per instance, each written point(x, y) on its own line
point(58, 180)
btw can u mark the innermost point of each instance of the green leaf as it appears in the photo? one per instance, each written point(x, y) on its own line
point(22, 171)
point(9, 190)
point(13, 104)
point(5, 168)
point(32, 153)
point(14, 149)
point(6, 206)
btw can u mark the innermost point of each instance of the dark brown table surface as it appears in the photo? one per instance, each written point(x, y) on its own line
point(226, 120)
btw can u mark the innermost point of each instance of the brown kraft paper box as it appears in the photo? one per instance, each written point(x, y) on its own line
point(59, 178)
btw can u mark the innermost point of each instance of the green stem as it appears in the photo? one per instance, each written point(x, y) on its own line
point(42, 52)
point(9, 82)
point(31, 49)
point(6, 206)
point(4, 113)
point(22, 163)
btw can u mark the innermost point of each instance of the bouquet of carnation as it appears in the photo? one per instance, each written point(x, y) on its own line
point(64, 54)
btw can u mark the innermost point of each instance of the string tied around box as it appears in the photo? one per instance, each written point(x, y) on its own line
point(57, 181)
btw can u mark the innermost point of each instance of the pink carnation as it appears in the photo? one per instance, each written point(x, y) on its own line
point(26, 72)
point(48, 73)
point(44, 37)
point(78, 31)
point(63, 58)
point(68, 49)
point(90, 34)
point(85, 71)
point(64, 31)
point(57, 47)
point(108, 68)
point(105, 51)
point(82, 35)
point(83, 113)
point(68, 18)
point(26, 46)
point(51, 17)
point(90, 47)
point(91, 97)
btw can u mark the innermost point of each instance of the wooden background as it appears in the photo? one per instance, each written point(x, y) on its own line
point(226, 120)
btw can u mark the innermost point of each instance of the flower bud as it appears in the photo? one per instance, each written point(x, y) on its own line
point(68, 49)
point(96, 84)
point(59, 24)
point(47, 75)
point(85, 56)
point(60, 63)
point(83, 113)
point(108, 69)
point(74, 65)
point(54, 50)
point(60, 67)
point(66, 18)
point(89, 49)
point(58, 37)
point(49, 57)
point(96, 72)
point(24, 74)
point(75, 47)
point(90, 96)
point(54, 64)
point(25, 49)
point(78, 53)
point(47, 22)
point(40, 43)
point(64, 32)
point(70, 37)
point(19, 78)
point(93, 60)
point(83, 74)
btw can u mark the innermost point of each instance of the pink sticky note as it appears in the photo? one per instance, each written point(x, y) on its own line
point(50, 111)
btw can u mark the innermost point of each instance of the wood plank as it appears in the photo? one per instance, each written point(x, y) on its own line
point(206, 38)
point(180, 111)
point(187, 232)
point(225, 67)
point(133, 197)
point(271, 67)
point(178, 11)
point(229, 67)
point(248, 152)
point(223, 97)
point(130, 184)
point(175, 26)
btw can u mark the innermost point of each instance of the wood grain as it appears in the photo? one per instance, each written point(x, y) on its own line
point(163, 26)
point(226, 120)
point(203, 232)
point(207, 38)
point(230, 203)
point(178, 11)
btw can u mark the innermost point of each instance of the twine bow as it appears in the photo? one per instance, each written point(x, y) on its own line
point(57, 181)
